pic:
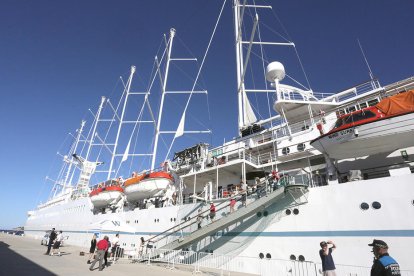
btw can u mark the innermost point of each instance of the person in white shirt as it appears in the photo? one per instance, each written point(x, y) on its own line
point(115, 246)
point(56, 245)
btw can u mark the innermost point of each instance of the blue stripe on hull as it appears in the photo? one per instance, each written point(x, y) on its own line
point(344, 233)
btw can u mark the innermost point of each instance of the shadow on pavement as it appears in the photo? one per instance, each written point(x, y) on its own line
point(12, 263)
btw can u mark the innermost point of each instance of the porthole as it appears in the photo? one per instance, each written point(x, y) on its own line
point(288, 212)
point(412, 202)
point(158, 220)
point(292, 257)
point(364, 206)
point(171, 219)
point(175, 219)
point(285, 151)
point(376, 205)
point(295, 211)
point(301, 258)
point(155, 220)
point(301, 147)
point(265, 213)
point(259, 214)
point(261, 255)
point(268, 256)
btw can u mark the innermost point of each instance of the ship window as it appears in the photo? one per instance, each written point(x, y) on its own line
point(362, 105)
point(376, 205)
point(261, 255)
point(259, 214)
point(268, 256)
point(301, 258)
point(265, 213)
point(301, 147)
point(288, 212)
point(372, 102)
point(351, 109)
point(412, 202)
point(364, 206)
point(340, 121)
point(292, 257)
point(360, 116)
point(285, 151)
point(295, 211)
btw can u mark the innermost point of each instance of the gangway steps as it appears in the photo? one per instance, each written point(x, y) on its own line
point(226, 221)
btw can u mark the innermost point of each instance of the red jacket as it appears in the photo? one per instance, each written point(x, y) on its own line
point(102, 245)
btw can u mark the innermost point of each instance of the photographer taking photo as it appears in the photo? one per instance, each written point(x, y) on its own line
point(328, 265)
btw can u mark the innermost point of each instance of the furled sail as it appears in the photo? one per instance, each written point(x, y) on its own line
point(248, 117)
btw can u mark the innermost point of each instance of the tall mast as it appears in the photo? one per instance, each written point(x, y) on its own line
point(127, 89)
point(164, 86)
point(239, 61)
point(75, 146)
point(97, 116)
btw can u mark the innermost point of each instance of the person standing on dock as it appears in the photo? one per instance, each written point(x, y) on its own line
point(56, 244)
point(115, 247)
point(52, 237)
point(328, 265)
point(102, 248)
point(383, 265)
point(92, 249)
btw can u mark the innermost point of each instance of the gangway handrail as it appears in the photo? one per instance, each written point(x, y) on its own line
point(237, 197)
point(182, 223)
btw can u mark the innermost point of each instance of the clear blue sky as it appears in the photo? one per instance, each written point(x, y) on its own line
point(58, 57)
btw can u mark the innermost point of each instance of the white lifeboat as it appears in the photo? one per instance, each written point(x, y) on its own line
point(101, 197)
point(147, 185)
point(385, 127)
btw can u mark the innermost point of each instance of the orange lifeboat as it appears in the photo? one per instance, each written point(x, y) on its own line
point(101, 197)
point(147, 185)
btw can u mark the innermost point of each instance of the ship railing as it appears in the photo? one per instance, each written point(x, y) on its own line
point(348, 93)
point(212, 262)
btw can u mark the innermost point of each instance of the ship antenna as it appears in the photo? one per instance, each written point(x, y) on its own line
point(366, 61)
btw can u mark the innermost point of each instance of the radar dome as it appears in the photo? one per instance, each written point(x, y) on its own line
point(275, 70)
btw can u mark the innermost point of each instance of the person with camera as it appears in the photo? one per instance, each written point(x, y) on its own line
point(384, 264)
point(328, 265)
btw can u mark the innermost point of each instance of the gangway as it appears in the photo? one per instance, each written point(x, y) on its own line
point(232, 218)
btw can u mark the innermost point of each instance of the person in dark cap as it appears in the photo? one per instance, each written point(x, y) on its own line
point(383, 265)
point(328, 265)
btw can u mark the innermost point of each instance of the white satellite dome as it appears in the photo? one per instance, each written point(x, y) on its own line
point(275, 70)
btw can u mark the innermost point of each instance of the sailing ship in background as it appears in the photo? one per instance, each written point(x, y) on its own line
point(351, 198)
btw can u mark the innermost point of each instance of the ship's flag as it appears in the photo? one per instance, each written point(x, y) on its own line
point(180, 129)
point(126, 153)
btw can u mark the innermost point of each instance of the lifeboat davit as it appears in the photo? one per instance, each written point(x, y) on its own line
point(385, 127)
point(102, 197)
point(147, 185)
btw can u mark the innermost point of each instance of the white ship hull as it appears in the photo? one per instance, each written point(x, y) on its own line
point(147, 188)
point(380, 136)
point(331, 212)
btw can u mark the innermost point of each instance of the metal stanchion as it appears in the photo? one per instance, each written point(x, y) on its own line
point(197, 265)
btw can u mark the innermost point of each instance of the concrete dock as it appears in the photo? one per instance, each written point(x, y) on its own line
point(25, 256)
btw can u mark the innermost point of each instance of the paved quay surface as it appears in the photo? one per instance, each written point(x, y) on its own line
point(25, 256)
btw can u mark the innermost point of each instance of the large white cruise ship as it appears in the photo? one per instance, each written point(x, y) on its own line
point(320, 167)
